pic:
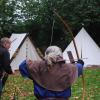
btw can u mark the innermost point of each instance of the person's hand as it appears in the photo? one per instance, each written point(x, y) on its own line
point(29, 62)
point(81, 62)
point(5, 74)
point(13, 72)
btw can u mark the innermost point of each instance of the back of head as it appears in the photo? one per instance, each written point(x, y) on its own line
point(52, 54)
point(4, 41)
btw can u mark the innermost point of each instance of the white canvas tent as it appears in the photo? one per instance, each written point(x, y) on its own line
point(86, 47)
point(21, 47)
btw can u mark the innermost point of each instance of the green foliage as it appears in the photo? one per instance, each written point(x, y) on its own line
point(7, 16)
point(36, 17)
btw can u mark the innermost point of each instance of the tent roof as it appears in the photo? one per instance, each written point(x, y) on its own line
point(16, 40)
point(86, 47)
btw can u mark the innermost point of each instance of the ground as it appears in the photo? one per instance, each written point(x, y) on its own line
point(22, 89)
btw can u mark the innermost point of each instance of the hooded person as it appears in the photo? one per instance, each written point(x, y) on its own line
point(52, 77)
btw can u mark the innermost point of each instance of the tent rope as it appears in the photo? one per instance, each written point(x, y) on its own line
point(52, 31)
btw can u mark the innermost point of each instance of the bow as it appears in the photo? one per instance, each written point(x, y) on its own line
point(68, 28)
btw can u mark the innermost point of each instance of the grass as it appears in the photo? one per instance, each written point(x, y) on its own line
point(23, 88)
point(92, 86)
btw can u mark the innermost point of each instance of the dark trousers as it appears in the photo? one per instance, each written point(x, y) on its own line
point(0, 88)
point(4, 79)
point(2, 83)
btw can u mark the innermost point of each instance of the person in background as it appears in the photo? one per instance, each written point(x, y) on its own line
point(52, 77)
point(5, 67)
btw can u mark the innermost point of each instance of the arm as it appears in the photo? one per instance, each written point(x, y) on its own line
point(23, 70)
point(6, 62)
point(79, 66)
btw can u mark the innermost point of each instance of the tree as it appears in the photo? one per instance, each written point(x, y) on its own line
point(7, 8)
point(36, 17)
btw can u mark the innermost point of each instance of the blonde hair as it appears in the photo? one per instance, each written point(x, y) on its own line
point(52, 53)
